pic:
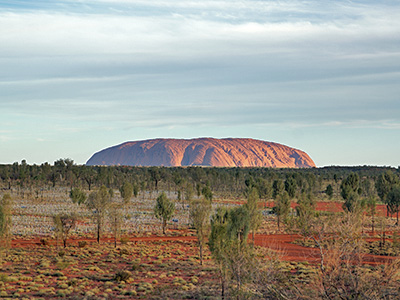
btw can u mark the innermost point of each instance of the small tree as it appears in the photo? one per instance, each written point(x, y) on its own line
point(351, 184)
point(77, 196)
point(371, 206)
point(353, 203)
point(239, 224)
point(254, 211)
point(5, 219)
point(305, 214)
point(384, 184)
point(189, 192)
point(282, 207)
point(164, 210)
point(64, 223)
point(126, 191)
point(207, 193)
point(393, 201)
point(229, 247)
point(329, 191)
point(217, 244)
point(115, 216)
point(290, 186)
point(350, 190)
point(98, 202)
point(278, 187)
point(135, 190)
point(200, 216)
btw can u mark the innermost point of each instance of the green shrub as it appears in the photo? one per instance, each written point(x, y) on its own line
point(122, 275)
point(123, 251)
point(58, 274)
point(3, 277)
point(194, 279)
point(44, 242)
point(124, 240)
point(82, 244)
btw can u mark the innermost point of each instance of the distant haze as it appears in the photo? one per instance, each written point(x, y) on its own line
point(203, 152)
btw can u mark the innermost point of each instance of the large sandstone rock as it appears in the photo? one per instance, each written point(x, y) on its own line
point(230, 152)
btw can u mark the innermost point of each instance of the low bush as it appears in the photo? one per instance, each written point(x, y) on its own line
point(44, 242)
point(82, 244)
point(3, 277)
point(122, 275)
point(124, 240)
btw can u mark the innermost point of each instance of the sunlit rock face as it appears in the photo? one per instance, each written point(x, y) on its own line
point(230, 152)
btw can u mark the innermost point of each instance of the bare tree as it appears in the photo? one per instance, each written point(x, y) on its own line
point(342, 273)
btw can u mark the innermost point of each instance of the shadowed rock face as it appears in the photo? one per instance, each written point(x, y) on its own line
point(229, 152)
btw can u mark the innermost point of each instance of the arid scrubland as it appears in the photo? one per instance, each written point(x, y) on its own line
point(76, 232)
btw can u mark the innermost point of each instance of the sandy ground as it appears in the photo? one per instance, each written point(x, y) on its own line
point(282, 243)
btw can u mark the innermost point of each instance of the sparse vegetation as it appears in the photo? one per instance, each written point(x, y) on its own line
point(335, 235)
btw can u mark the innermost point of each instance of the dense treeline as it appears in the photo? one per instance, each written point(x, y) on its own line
point(225, 181)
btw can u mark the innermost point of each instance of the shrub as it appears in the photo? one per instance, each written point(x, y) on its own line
point(12, 279)
point(61, 293)
point(124, 240)
point(122, 275)
point(3, 294)
point(44, 263)
point(141, 289)
point(194, 279)
point(62, 264)
point(132, 293)
point(3, 277)
point(124, 252)
point(58, 274)
point(82, 244)
point(44, 242)
point(63, 286)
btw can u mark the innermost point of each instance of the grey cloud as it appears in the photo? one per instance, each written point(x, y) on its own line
point(170, 64)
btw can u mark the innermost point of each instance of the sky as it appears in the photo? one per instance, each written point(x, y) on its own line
point(322, 76)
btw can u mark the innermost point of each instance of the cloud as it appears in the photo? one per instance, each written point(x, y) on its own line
point(365, 124)
point(191, 33)
point(92, 68)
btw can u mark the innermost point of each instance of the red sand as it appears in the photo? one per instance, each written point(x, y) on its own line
point(281, 243)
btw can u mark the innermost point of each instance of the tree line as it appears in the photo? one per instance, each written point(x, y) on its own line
point(224, 181)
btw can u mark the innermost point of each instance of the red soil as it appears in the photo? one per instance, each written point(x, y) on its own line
point(282, 243)
point(292, 252)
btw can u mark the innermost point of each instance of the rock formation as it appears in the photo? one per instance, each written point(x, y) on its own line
point(230, 152)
